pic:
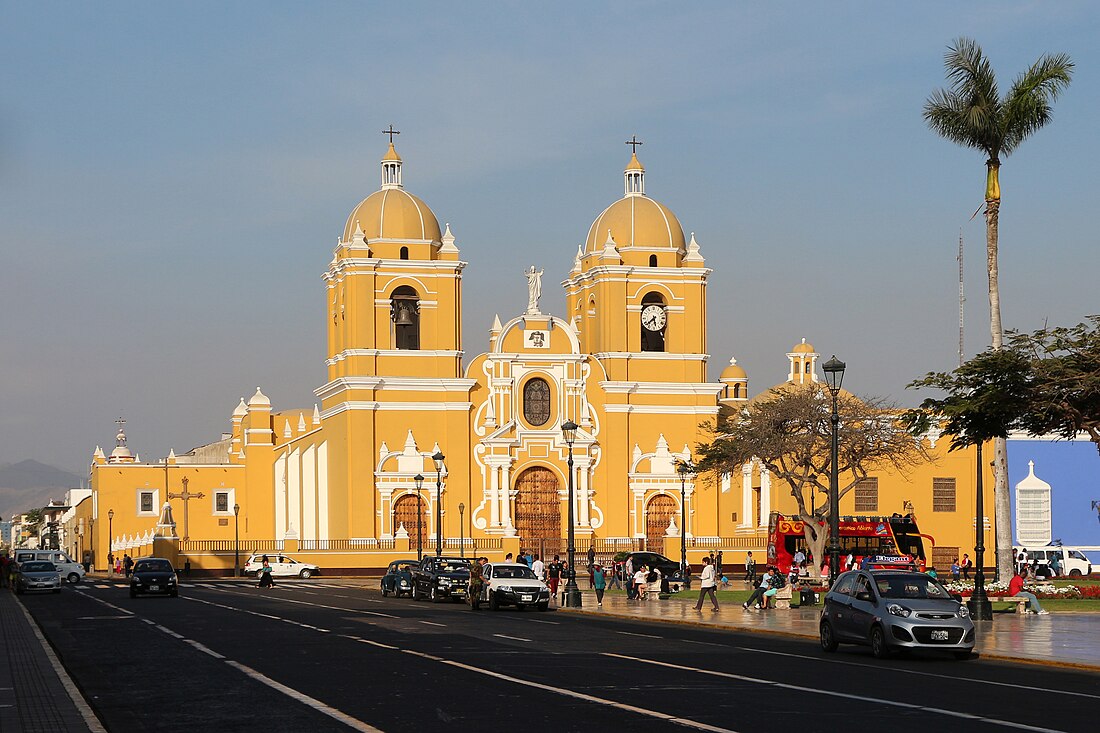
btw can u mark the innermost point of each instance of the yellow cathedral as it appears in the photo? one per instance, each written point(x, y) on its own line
point(409, 443)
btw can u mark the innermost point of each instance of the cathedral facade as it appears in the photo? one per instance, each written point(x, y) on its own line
point(410, 443)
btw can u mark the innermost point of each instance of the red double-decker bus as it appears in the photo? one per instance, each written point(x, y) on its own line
point(892, 541)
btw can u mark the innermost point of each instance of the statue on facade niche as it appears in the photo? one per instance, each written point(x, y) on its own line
point(534, 290)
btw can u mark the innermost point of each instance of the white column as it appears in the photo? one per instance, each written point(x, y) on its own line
point(294, 491)
point(746, 495)
point(765, 496)
point(280, 496)
point(322, 491)
point(309, 494)
point(583, 476)
point(505, 498)
point(494, 495)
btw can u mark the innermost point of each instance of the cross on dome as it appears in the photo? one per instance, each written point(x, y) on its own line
point(120, 439)
point(635, 171)
point(391, 132)
point(391, 163)
point(633, 142)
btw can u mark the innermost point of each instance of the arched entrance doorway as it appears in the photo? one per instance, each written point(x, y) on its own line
point(538, 512)
point(658, 511)
point(405, 513)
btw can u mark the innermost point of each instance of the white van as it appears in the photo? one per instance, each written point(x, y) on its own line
point(73, 572)
point(1072, 561)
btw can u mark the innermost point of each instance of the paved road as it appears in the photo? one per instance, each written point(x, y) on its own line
point(324, 656)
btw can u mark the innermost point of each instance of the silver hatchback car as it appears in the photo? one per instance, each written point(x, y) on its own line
point(889, 610)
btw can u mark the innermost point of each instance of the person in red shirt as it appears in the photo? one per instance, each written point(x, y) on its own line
point(1016, 588)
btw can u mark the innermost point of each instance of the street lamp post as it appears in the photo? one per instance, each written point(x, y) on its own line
point(686, 469)
point(979, 605)
point(834, 376)
point(236, 541)
point(419, 517)
point(438, 459)
point(110, 540)
point(461, 531)
point(572, 592)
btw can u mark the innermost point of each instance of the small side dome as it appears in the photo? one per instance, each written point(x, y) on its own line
point(259, 400)
point(241, 409)
point(803, 348)
point(733, 371)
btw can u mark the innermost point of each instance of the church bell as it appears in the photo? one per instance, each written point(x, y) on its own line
point(403, 313)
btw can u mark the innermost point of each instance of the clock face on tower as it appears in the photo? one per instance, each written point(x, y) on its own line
point(653, 317)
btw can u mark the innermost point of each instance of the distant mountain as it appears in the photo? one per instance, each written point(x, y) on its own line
point(29, 484)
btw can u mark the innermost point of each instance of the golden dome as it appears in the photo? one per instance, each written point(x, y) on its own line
point(636, 221)
point(803, 348)
point(393, 213)
point(733, 371)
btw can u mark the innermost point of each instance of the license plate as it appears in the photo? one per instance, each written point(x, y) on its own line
point(157, 587)
point(939, 635)
point(528, 598)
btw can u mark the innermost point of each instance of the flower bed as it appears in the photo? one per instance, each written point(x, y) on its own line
point(1041, 590)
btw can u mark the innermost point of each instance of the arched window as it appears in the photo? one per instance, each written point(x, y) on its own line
point(654, 322)
point(405, 314)
point(653, 260)
point(404, 253)
point(536, 402)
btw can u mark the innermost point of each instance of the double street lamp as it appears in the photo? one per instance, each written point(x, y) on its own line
point(979, 605)
point(834, 376)
point(572, 592)
point(236, 541)
point(686, 469)
point(419, 517)
point(438, 459)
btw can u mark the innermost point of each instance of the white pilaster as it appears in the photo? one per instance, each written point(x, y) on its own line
point(765, 496)
point(746, 495)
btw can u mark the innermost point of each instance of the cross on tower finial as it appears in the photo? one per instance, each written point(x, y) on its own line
point(391, 132)
point(634, 142)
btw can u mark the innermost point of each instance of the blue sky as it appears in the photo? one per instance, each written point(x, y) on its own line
point(173, 180)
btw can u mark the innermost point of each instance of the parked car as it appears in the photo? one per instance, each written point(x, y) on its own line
point(282, 566)
point(399, 577)
point(440, 578)
point(37, 575)
point(890, 610)
point(153, 575)
point(514, 584)
point(70, 571)
point(669, 568)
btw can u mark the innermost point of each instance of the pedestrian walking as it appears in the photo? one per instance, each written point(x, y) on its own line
point(4, 571)
point(628, 578)
point(553, 572)
point(477, 582)
point(750, 569)
point(967, 563)
point(128, 564)
point(110, 563)
point(707, 585)
point(266, 579)
point(1021, 561)
point(956, 569)
point(538, 567)
point(565, 570)
point(617, 575)
point(718, 565)
point(87, 561)
point(599, 583)
point(118, 566)
point(1056, 563)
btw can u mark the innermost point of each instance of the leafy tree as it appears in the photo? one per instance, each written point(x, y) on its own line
point(32, 519)
point(1065, 361)
point(790, 431)
point(972, 113)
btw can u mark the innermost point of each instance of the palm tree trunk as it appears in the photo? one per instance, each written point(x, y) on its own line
point(1001, 503)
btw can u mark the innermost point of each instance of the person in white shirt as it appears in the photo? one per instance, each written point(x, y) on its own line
point(538, 567)
point(707, 585)
point(640, 583)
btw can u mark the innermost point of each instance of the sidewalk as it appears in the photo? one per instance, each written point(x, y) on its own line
point(1060, 639)
point(33, 696)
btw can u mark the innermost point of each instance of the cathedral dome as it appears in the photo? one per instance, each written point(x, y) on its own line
point(636, 220)
point(803, 348)
point(392, 212)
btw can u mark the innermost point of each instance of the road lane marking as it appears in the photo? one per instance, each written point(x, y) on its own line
point(647, 636)
point(831, 693)
point(257, 613)
point(433, 623)
point(514, 638)
point(833, 660)
point(336, 608)
point(100, 618)
point(167, 630)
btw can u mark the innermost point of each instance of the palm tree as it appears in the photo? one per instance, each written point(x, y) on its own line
point(972, 113)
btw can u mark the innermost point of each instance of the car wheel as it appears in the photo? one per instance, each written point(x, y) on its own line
point(415, 593)
point(432, 595)
point(494, 604)
point(963, 655)
point(828, 638)
point(544, 606)
point(385, 592)
point(879, 648)
point(1075, 573)
point(305, 574)
point(73, 578)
